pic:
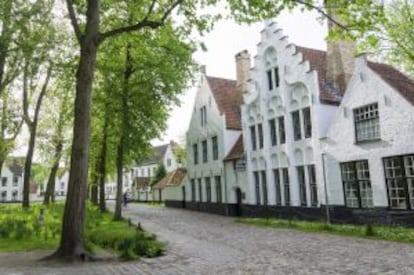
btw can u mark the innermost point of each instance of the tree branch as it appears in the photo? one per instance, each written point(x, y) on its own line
point(322, 12)
point(74, 20)
point(144, 23)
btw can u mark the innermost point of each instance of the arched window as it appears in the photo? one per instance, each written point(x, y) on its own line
point(272, 69)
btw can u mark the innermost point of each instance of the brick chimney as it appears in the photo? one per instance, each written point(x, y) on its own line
point(242, 70)
point(340, 57)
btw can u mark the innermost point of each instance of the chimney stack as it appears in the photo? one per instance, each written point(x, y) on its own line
point(242, 70)
point(340, 57)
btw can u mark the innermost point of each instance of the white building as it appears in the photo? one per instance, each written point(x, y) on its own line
point(288, 107)
point(61, 183)
point(213, 131)
point(369, 148)
point(11, 187)
point(137, 179)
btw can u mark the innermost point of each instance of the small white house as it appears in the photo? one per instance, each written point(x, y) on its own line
point(11, 186)
point(61, 183)
point(369, 148)
point(170, 187)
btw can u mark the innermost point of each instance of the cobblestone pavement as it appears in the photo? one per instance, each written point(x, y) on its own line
point(200, 243)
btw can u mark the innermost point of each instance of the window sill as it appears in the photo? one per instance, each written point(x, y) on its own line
point(367, 141)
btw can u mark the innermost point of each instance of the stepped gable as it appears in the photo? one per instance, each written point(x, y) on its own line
point(237, 151)
point(228, 100)
point(396, 79)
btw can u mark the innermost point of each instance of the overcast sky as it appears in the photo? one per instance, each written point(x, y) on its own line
point(225, 41)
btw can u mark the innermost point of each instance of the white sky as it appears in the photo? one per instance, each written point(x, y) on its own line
point(224, 42)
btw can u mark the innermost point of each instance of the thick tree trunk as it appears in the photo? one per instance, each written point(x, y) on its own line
point(102, 163)
point(72, 243)
point(50, 187)
point(4, 42)
point(94, 193)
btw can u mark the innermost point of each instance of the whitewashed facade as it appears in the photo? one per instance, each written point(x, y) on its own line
point(284, 116)
point(369, 148)
point(11, 185)
point(61, 184)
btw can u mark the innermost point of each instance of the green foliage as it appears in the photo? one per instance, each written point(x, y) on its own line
point(388, 233)
point(25, 230)
point(160, 173)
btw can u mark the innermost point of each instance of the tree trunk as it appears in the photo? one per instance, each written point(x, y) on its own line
point(5, 42)
point(102, 162)
point(124, 125)
point(32, 125)
point(1, 164)
point(50, 187)
point(119, 164)
point(72, 243)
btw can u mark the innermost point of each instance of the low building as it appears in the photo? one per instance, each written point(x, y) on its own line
point(170, 187)
point(11, 187)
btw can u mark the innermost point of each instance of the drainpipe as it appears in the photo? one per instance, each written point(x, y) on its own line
point(225, 187)
point(328, 218)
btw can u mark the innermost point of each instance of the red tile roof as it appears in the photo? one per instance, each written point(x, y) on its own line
point(228, 100)
point(173, 178)
point(237, 151)
point(317, 59)
point(403, 84)
point(141, 182)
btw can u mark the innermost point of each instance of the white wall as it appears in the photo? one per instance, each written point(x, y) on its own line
point(396, 117)
point(11, 187)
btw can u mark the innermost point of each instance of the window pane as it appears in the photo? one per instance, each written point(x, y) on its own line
point(307, 122)
point(257, 186)
point(276, 70)
point(272, 126)
point(208, 189)
point(302, 187)
point(286, 186)
point(200, 190)
point(260, 130)
point(282, 134)
point(204, 148)
point(366, 121)
point(264, 187)
point(195, 153)
point(215, 148)
point(253, 137)
point(396, 191)
point(276, 178)
point(312, 185)
point(269, 80)
point(296, 125)
point(218, 189)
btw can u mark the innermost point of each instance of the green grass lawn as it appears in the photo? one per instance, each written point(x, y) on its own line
point(22, 230)
point(388, 233)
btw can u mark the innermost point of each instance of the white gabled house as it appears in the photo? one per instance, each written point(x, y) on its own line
point(11, 185)
point(61, 183)
point(369, 147)
point(214, 129)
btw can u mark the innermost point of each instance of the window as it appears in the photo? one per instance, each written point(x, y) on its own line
point(367, 123)
point(203, 115)
point(273, 78)
point(253, 137)
point(276, 177)
point(277, 80)
point(399, 176)
point(204, 148)
point(193, 191)
point(200, 190)
point(195, 153)
point(4, 181)
point(312, 185)
point(357, 185)
point(62, 185)
point(215, 148)
point(168, 162)
point(286, 189)
point(149, 172)
point(264, 187)
point(3, 196)
point(272, 126)
point(282, 134)
point(218, 188)
point(260, 130)
point(208, 189)
point(307, 122)
point(297, 135)
point(14, 195)
point(257, 186)
point(269, 80)
point(302, 185)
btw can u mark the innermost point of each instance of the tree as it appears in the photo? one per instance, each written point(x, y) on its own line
point(160, 173)
point(393, 38)
point(152, 15)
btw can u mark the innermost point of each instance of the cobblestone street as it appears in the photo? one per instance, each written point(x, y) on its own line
point(208, 244)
